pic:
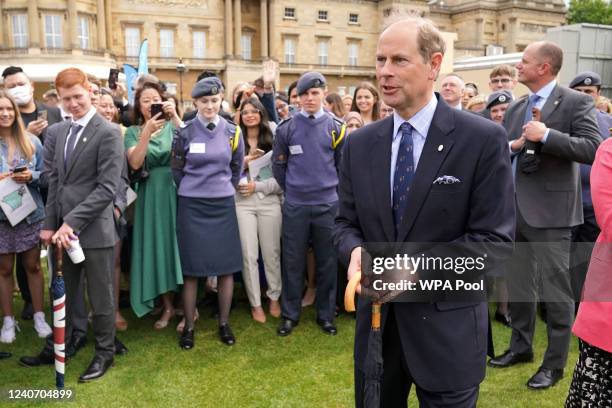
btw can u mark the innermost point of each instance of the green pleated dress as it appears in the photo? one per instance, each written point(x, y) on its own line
point(156, 266)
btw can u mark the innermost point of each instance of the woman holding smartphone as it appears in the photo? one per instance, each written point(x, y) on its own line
point(206, 163)
point(21, 161)
point(155, 267)
point(258, 206)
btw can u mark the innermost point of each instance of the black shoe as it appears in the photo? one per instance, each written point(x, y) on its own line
point(27, 313)
point(327, 326)
point(77, 343)
point(503, 319)
point(120, 348)
point(98, 367)
point(226, 335)
point(545, 378)
point(286, 327)
point(45, 357)
point(510, 358)
point(186, 341)
point(4, 354)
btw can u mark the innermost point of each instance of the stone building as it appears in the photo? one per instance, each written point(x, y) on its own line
point(232, 37)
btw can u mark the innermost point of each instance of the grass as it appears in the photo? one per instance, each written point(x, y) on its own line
point(307, 368)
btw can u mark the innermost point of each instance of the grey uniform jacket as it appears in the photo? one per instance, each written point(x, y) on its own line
point(83, 195)
point(550, 197)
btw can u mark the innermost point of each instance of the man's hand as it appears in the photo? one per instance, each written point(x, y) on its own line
point(354, 266)
point(517, 144)
point(63, 236)
point(22, 177)
point(37, 126)
point(534, 131)
point(45, 236)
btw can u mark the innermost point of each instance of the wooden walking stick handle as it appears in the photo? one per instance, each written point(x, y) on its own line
point(349, 293)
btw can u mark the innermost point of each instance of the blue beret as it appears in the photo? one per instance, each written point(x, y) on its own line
point(207, 87)
point(309, 80)
point(586, 78)
point(498, 98)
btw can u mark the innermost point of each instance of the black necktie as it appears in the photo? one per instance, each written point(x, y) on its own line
point(70, 142)
point(210, 126)
point(311, 117)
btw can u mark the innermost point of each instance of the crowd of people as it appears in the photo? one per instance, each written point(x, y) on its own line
point(251, 183)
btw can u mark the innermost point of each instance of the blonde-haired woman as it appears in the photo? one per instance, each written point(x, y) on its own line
point(21, 161)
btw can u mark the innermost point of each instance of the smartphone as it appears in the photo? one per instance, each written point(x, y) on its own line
point(113, 77)
point(156, 108)
point(42, 115)
point(19, 169)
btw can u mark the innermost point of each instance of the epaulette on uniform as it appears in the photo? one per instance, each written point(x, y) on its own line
point(284, 121)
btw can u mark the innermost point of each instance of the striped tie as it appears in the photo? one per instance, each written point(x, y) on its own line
point(404, 171)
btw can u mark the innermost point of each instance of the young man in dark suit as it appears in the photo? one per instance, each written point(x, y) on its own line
point(81, 205)
point(387, 193)
point(549, 133)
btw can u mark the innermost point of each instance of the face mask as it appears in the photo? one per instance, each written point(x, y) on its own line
point(21, 94)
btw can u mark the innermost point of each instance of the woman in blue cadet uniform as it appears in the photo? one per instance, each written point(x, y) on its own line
point(207, 157)
point(258, 205)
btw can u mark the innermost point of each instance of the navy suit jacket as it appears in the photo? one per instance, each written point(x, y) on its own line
point(444, 343)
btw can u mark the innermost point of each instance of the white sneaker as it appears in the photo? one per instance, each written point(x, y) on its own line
point(7, 334)
point(41, 326)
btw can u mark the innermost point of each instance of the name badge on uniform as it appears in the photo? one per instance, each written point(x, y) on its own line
point(197, 147)
point(296, 149)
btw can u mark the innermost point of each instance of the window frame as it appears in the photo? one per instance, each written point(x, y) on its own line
point(293, 55)
point(136, 46)
point(193, 43)
point(290, 16)
point(323, 58)
point(24, 36)
point(325, 15)
point(350, 21)
point(165, 50)
point(84, 41)
point(353, 60)
point(56, 35)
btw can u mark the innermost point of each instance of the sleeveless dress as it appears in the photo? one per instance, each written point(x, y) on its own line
point(155, 263)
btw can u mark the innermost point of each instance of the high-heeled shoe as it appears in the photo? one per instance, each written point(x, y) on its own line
point(181, 325)
point(226, 335)
point(165, 318)
point(186, 341)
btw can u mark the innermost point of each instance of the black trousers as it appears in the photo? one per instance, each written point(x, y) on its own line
point(583, 242)
point(301, 223)
point(397, 379)
point(541, 254)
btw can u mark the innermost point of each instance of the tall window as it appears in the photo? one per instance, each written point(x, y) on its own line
point(199, 44)
point(245, 44)
point(132, 41)
point(84, 32)
point(166, 43)
point(289, 51)
point(353, 54)
point(53, 31)
point(19, 22)
point(323, 52)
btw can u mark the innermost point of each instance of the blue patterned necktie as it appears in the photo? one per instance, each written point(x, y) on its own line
point(533, 100)
point(404, 171)
point(70, 142)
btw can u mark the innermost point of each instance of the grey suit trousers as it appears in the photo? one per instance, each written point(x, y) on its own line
point(542, 255)
point(98, 268)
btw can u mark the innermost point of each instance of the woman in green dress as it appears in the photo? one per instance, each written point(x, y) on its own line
point(155, 266)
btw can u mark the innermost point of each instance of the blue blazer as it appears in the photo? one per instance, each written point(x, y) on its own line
point(444, 343)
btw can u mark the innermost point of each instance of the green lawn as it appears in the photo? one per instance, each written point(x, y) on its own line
point(306, 369)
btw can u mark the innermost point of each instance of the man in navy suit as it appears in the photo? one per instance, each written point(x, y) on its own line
point(388, 193)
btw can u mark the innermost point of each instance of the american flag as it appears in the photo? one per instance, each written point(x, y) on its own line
point(59, 319)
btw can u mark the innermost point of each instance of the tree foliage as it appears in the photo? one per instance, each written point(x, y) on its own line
point(590, 11)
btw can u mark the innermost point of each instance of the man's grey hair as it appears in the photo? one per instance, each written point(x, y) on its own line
point(429, 38)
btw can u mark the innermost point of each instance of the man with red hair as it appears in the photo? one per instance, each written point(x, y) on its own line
point(83, 182)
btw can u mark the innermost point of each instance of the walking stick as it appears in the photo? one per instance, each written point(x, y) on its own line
point(59, 317)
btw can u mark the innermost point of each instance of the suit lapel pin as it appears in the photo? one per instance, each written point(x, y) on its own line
point(84, 139)
point(440, 148)
point(556, 103)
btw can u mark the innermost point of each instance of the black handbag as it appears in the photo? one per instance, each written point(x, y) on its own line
point(140, 175)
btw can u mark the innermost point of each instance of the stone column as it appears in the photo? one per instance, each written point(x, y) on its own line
point(73, 22)
point(101, 23)
point(272, 32)
point(511, 40)
point(237, 29)
point(33, 25)
point(3, 42)
point(109, 25)
point(229, 41)
point(264, 27)
point(479, 32)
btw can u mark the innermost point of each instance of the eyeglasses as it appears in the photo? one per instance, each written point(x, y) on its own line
point(249, 112)
point(96, 92)
point(501, 80)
